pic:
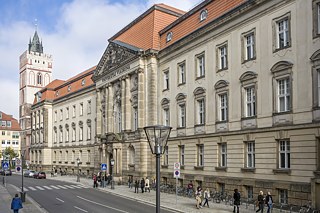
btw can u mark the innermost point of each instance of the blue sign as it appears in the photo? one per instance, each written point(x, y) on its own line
point(103, 167)
point(5, 165)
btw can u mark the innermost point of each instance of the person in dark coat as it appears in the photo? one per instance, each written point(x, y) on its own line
point(16, 203)
point(142, 184)
point(260, 201)
point(269, 202)
point(236, 200)
point(136, 186)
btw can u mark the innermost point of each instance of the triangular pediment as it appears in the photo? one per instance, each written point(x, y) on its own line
point(116, 55)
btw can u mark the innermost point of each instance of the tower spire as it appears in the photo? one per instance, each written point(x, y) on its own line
point(36, 45)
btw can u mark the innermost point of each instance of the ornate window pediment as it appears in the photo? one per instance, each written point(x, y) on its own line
point(181, 96)
point(280, 66)
point(315, 56)
point(66, 126)
point(221, 84)
point(165, 101)
point(199, 91)
point(80, 123)
point(249, 75)
point(73, 124)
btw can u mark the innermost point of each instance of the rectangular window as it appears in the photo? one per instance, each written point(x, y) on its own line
point(81, 109)
point(3, 123)
point(250, 154)
point(73, 156)
point(223, 107)
point(89, 107)
point(89, 156)
point(284, 95)
point(200, 66)
point(80, 133)
point(3, 133)
point(250, 192)
point(200, 155)
point(284, 154)
point(283, 33)
point(135, 118)
point(181, 154)
point(61, 114)
point(201, 111)
point(223, 154)
point(250, 102)
point(223, 57)
point(182, 115)
point(88, 132)
point(55, 116)
point(3, 142)
point(166, 156)
point(283, 196)
point(74, 111)
point(182, 73)
point(67, 113)
point(166, 80)
point(61, 136)
point(73, 134)
point(55, 136)
point(166, 117)
point(8, 123)
point(67, 135)
point(8, 142)
point(249, 46)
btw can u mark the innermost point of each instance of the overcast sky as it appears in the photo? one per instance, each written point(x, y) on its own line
point(74, 32)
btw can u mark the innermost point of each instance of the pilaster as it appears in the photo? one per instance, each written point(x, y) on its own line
point(128, 122)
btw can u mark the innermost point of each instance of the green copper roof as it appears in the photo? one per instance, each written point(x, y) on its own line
point(35, 45)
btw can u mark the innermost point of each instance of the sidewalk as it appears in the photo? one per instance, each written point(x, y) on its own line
point(168, 201)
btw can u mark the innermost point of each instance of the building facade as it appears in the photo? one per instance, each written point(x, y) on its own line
point(35, 73)
point(63, 126)
point(10, 134)
point(240, 87)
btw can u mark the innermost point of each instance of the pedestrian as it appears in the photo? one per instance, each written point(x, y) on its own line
point(136, 186)
point(147, 186)
point(236, 200)
point(260, 202)
point(16, 203)
point(198, 197)
point(190, 188)
point(142, 184)
point(99, 178)
point(52, 173)
point(269, 202)
point(95, 183)
point(206, 196)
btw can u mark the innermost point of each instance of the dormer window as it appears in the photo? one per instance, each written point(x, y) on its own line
point(57, 93)
point(169, 36)
point(83, 82)
point(203, 15)
point(69, 88)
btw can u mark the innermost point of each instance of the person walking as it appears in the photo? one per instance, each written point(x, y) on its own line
point(198, 197)
point(206, 197)
point(142, 184)
point(260, 202)
point(16, 203)
point(269, 202)
point(147, 186)
point(190, 189)
point(236, 200)
point(136, 186)
point(95, 179)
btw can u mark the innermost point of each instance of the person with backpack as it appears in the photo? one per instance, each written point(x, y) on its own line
point(16, 204)
point(236, 200)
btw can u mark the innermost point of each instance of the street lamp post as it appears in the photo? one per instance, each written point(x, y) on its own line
point(157, 137)
point(112, 164)
point(78, 176)
point(23, 193)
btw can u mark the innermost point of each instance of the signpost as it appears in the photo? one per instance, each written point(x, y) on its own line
point(5, 166)
point(176, 174)
point(103, 167)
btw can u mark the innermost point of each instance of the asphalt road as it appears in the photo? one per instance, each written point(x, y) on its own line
point(63, 197)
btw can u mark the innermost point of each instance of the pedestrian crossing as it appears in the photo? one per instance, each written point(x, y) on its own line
point(53, 187)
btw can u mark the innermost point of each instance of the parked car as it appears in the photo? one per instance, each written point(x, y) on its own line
point(40, 175)
point(6, 172)
point(31, 173)
point(26, 173)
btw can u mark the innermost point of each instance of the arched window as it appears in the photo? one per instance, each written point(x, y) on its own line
point(46, 79)
point(31, 78)
point(39, 78)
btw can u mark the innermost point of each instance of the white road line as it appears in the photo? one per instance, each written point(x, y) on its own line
point(119, 210)
point(62, 187)
point(62, 201)
point(80, 209)
point(24, 189)
point(77, 186)
point(70, 187)
point(33, 189)
point(54, 187)
point(39, 187)
point(47, 187)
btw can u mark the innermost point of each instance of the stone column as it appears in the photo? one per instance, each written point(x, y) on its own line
point(110, 118)
point(123, 102)
point(105, 122)
point(141, 98)
point(128, 121)
point(98, 111)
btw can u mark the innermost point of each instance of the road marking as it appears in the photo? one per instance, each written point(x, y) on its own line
point(62, 187)
point(70, 187)
point(39, 187)
point(62, 201)
point(102, 204)
point(24, 189)
point(54, 187)
point(47, 187)
point(33, 189)
point(77, 186)
point(80, 209)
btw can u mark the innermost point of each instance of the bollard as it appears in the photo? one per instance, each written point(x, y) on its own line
point(23, 196)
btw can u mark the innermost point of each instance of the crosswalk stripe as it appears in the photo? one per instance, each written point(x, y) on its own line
point(77, 186)
point(47, 187)
point(62, 187)
point(39, 187)
point(24, 189)
point(54, 187)
point(68, 186)
point(33, 189)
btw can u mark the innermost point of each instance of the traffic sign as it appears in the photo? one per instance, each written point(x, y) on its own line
point(18, 168)
point(176, 165)
point(5, 165)
point(176, 173)
point(103, 167)
point(18, 161)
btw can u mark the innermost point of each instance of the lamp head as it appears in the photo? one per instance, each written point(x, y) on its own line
point(157, 137)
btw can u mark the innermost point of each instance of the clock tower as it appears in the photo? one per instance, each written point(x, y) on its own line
point(35, 73)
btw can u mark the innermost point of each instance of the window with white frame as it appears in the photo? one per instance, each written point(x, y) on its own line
point(284, 154)
point(200, 161)
point(166, 117)
point(200, 65)
point(74, 133)
point(223, 155)
point(166, 156)
point(166, 80)
point(203, 15)
point(283, 196)
point(135, 118)
point(88, 132)
point(80, 155)
point(61, 135)
point(67, 113)
point(61, 114)
point(284, 95)
point(74, 111)
point(55, 135)
point(249, 47)
point(81, 109)
point(169, 36)
point(282, 37)
point(316, 18)
point(223, 57)
point(67, 135)
point(8, 123)
point(89, 107)
point(250, 154)
point(55, 116)
point(250, 101)
point(182, 115)
point(181, 155)
point(223, 107)
point(201, 111)
point(182, 73)
point(81, 133)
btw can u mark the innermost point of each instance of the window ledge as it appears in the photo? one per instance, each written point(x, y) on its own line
point(220, 168)
point(164, 166)
point(198, 125)
point(181, 84)
point(165, 90)
point(282, 171)
point(245, 169)
point(281, 48)
point(249, 118)
point(200, 77)
point(221, 122)
point(198, 167)
point(131, 165)
point(219, 70)
point(181, 127)
point(247, 60)
point(282, 113)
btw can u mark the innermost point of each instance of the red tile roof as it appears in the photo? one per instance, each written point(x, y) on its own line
point(14, 123)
